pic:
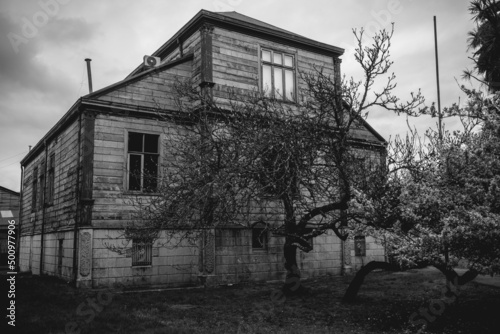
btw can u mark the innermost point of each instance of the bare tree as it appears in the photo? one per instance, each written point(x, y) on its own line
point(295, 165)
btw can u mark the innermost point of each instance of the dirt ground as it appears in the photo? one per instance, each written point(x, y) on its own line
point(400, 302)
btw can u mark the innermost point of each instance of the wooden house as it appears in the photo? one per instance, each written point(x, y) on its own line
point(9, 220)
point(78, 180)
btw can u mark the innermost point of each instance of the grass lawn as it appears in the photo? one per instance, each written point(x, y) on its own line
point(385, 304)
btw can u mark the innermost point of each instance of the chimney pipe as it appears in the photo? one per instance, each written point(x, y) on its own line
point(89, 73)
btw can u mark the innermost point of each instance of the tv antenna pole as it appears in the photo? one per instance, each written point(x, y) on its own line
point(440, 116)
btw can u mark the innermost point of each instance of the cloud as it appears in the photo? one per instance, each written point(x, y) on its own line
point(36, 87)
point(69, 31)
point(25, 69)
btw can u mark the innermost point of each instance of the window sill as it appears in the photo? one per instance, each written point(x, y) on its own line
point(280, 100)
point(142, 266)
point(277, 198)
point(140, 193)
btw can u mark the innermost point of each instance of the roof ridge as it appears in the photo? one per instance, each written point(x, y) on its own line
point(250, 19)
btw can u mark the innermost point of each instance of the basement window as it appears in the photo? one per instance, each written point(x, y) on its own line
point(259, 236)
point(142, 253)
point(143, 157)
point(308, 230)
point(359, 245)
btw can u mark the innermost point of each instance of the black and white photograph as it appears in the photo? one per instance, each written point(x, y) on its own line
point(261, 167)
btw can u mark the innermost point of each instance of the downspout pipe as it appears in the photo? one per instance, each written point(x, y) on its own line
point(42, 200)
point(77, 197)
point(18, 232)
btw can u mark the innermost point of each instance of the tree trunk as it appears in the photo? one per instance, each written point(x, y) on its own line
point(453, 277)
point(352, 290)
point(292, 282)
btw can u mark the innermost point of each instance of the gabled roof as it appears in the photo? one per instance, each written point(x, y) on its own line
point(242, 23)
point(228, 20)
point(135, 77)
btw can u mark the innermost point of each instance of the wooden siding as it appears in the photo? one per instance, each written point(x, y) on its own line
point(60, 215)
point(9, 201)
point(236, 68)
point(236, 62)
point(87, 168)
point(191, 44)
point(360, 132)
point(152, 91)
point(112, 202)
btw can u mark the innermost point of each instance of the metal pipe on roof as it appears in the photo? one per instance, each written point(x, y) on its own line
point(89, 74)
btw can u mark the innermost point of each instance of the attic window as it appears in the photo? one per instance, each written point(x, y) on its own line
point(278, 74)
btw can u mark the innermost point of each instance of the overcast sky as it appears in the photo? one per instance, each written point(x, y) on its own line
point(42, 68)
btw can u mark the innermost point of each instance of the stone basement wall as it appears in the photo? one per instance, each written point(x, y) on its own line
point(176, 266)
point(29, 254)
point(235, 261)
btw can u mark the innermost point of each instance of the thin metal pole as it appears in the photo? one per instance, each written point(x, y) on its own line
point(440, 116)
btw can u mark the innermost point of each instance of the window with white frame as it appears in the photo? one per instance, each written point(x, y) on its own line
point(278, 74)
point(143, 158)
